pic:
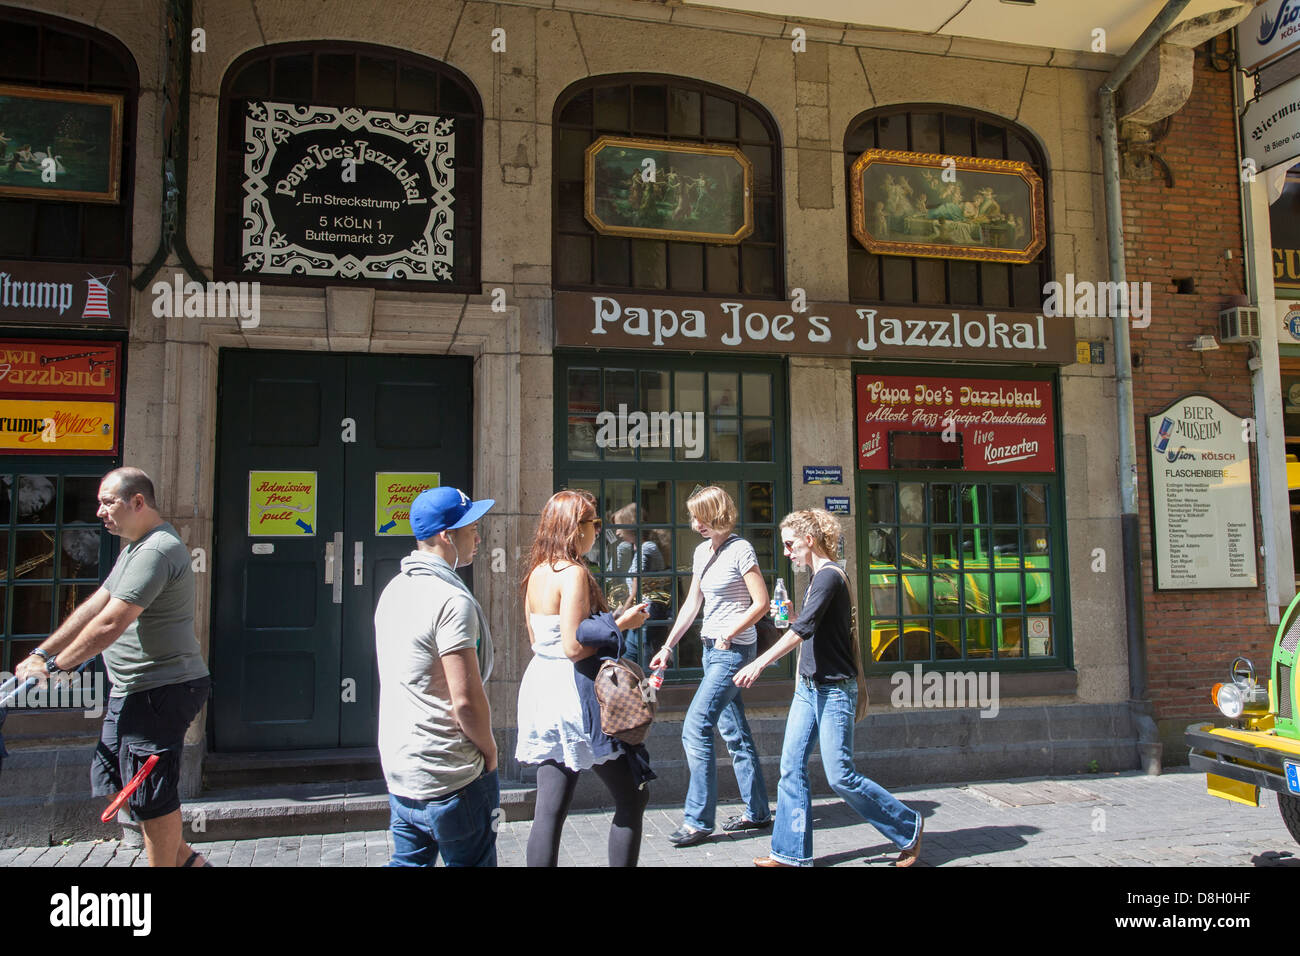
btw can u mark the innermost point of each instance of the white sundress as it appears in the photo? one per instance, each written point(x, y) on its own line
point(550, 714)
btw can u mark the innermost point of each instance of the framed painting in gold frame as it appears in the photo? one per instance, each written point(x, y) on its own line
point(652, 189)
point(60, 144)
point(947, 207)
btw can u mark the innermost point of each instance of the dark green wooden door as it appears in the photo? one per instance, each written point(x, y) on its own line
point(413, 414)
point(293, 617)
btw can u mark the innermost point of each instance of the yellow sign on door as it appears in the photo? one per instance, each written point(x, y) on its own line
point(394, 492)
point(281, 504)
point(55, 425)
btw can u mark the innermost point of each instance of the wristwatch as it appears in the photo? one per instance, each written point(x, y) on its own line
point(50, 665)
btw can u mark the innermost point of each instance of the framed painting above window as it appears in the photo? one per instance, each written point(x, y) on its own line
point(651, 189)
point(60, 144)
point(947, 207)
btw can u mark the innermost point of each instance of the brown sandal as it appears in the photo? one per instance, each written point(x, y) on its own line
point(913, 852)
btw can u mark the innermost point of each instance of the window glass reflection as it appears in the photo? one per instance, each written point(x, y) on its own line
point(36, 499)
point(584, 405)
point(80, 499)
point(80, 554)
point(978, 581)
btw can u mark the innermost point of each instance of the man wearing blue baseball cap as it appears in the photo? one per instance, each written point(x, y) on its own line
point(435, 728)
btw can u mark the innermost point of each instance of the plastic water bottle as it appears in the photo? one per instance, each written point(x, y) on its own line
point(657, 678)
point(782, 599)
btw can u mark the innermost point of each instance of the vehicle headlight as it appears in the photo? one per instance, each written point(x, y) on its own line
point(1241, 693)
point(1230, 700)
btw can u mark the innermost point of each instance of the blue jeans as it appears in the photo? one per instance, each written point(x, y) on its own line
point(717, 704)
point(462, 826)
point(823, 713)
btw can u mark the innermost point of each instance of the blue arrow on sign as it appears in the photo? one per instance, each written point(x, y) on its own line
point(385, 528)
point(304, 525)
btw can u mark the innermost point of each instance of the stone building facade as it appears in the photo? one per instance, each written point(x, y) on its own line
point(532, 86)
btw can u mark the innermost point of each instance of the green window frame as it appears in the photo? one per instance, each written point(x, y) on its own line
point(55, 549)
point(744, 449)
point(964, 569)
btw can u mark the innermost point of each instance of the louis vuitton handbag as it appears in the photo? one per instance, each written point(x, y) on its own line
point(627, 701)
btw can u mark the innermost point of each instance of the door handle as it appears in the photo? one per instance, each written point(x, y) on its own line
point(333, 576)
point(358, 563)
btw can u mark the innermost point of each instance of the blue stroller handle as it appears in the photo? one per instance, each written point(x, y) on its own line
point(10, 690)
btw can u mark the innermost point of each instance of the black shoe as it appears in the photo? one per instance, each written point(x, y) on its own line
point(742, 822)
point(687, 836)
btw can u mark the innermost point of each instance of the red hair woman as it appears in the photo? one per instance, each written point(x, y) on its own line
point(559, 593)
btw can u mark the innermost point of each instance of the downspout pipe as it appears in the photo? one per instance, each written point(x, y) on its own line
point(175, 111)
point(1149, 747)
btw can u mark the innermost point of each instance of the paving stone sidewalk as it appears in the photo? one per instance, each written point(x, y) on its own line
point(1095, 820)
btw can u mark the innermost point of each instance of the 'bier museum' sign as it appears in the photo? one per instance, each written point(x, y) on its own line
point(350, 193)
point(1203, 515)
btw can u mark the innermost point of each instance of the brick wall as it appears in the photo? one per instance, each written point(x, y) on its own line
point(1182, 233)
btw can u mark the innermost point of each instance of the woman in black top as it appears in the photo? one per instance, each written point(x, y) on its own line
point(825, 698)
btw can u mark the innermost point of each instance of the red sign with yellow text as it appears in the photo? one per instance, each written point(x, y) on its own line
point(58, 425)
point(48, 369)
point(972, 424)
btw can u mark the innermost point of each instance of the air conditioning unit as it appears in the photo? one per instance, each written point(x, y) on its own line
point(1239, 324)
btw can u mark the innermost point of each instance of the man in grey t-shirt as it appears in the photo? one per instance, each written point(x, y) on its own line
point(142, 620)
point(435, 729)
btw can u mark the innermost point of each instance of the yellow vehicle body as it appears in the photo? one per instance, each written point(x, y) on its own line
point(1239, 762)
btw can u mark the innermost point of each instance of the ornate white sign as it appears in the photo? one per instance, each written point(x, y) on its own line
point(1201, 504)
point(350, 193)
point(1270, 126)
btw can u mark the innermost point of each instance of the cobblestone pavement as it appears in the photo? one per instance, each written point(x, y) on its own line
point(1106, 820)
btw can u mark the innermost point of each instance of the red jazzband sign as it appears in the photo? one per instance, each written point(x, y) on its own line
point(60, 397)
point(59, 369)
point(992, 424)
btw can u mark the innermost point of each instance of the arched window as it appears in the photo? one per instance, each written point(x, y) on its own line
point(323, 73)
point(903, 280)
point(683, 111)
point(54, 54)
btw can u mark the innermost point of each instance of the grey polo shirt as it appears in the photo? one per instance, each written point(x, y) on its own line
point(159, 647)
point(419, 619)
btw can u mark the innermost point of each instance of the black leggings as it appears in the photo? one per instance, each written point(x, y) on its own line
point(555, 786)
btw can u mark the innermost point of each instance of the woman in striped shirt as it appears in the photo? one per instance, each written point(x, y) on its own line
point(726, 581)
